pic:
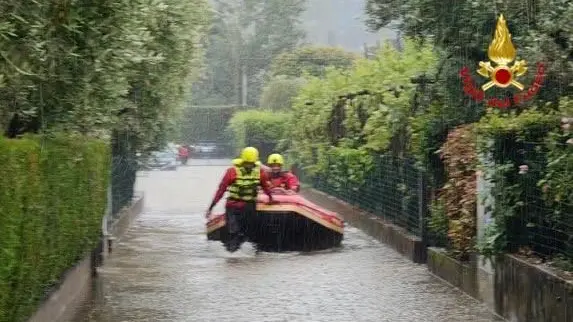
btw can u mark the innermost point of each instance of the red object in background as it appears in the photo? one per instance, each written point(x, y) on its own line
point(183, 151)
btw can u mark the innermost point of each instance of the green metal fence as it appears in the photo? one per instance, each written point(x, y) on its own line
point(533, 222)
point(394, 189)
point(397, 191)
point(123, 172)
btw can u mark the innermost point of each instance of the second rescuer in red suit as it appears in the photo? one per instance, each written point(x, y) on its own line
point(279, 178)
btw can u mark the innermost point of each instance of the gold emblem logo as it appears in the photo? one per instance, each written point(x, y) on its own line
point(502, 52)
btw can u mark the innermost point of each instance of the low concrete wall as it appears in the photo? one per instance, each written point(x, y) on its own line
point(467, 276)
point(517, 290)
point(67, 301)
point(459, 274)
point(120, 226)
point(406, 244)
point(72, 296)
point(528, 292)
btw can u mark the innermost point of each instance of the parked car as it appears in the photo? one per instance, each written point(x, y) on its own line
point(205, 149)
point(162, 160)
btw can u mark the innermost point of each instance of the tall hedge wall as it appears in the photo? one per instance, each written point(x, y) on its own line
point(263, 129)
point(53, 194)
point(206, 123)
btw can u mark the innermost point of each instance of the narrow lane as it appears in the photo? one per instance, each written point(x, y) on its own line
point(164, 269)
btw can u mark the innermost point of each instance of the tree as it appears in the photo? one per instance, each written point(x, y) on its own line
point(312, 60)
point(280, 91)
point(159, 87)
point(366, 107)
point(93, 68)
point(462, 30)
point(245, 37)
point(461, 33)
point(288, 69)
point(67, 63)
point(542, 31)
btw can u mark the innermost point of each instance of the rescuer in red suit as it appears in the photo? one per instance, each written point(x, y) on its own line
point(242, 181)
point(279, 178)
point(183, 154)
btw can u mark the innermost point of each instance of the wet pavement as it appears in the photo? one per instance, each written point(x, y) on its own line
point(164, 269)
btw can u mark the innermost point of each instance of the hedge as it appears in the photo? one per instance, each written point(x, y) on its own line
point(206, 123)
point(53, 194)
point(262, 129)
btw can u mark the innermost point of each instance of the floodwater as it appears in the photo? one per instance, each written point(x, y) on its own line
point(164, 269)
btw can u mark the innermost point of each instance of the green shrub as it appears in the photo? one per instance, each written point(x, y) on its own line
point(206, 123)
point(53, 194)
point(438, 223)
point(458, 194)
point(367, 106)
point(280, 92)
point(262, 129)
point(347, 169)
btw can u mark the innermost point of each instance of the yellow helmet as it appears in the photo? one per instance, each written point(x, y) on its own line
point(250, 154)
point(276, 159)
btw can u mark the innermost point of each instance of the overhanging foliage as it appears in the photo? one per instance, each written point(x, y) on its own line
point(90, 68)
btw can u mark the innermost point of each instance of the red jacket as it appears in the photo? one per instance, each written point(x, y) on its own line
point(285, 180)
point(183, 151)
point(228, 179)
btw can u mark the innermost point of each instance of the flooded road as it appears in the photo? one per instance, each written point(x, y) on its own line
point(164, 269)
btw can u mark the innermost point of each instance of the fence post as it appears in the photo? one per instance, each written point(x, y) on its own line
point(485, 203)
point(422, 207)
point(106, 236)
point(486, 284)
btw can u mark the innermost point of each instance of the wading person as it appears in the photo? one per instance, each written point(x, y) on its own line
point(279, 178)
point(242, 181)
point(183, 154)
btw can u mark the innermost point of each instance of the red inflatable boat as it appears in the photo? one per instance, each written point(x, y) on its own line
point(291, 224)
